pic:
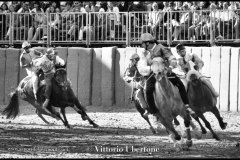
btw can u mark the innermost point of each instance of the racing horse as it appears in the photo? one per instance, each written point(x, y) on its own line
point(132, 71)
point(169, 103)
point(62, 96)
point(201, 100)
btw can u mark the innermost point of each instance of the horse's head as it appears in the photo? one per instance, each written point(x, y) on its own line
point(193, 77)
point(159, 67)
point(60, 77)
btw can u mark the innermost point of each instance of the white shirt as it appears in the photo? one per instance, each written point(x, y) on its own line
point(144, 62)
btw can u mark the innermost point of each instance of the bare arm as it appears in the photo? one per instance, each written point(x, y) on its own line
point(24, 63)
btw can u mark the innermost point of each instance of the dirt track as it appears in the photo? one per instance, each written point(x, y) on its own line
point(123, 131)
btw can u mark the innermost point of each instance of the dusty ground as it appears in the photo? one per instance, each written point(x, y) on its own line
point(123, 133)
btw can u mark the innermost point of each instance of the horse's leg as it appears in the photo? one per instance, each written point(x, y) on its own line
point(65, 118)
point(176, 122)
point(40, 115)
point(187, 119)
point(54, 112)
point(169, 127)
point(78, 108)
point(204, 131)
point(218, 116)
point(40, 110)
point(209, 126)
point(141, 111)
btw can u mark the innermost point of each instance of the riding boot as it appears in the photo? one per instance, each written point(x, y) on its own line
point(45, 104)
point(35, 85)
point(140, 96)
point(210, 86)
point(189, 110)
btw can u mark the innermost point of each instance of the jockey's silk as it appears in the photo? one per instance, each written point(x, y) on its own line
point(27, 58)
point(45, 64)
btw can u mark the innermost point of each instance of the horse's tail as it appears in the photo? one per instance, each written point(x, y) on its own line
point(12, 110)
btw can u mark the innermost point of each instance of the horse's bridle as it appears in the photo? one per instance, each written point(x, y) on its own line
point(63, 84)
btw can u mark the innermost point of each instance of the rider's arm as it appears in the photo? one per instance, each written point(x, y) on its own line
point(142, 65)
point(168, 56)
point(198, 61)
point(59, 61)
point(24, 63)
point(36, 52)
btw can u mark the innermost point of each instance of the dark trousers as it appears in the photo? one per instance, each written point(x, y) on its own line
point(48, 81)
point(150, 87)
point(177, 82)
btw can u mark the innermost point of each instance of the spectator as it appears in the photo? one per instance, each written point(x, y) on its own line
point(11, 10)
point(67, 20)
point(40, 23)
point(195, 6)
point(37, 13)
point(114, 18)
point(93, 23)
point(17, 5)
point(185, 22)
point(4, 7)
point(54, 22)
point(226, 20)
point(194, 27)
point(179, 5)
point(155, 20)
point(94, 7)
point(213, 21)
point(220, 5)
point(55, 4)
point(101, 27)
point(237, 23)
point(25, 6)
point(201, 29)
point(2, 24)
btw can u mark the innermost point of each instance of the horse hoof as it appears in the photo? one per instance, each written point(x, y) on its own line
point(216, 137)
point(204, 131)
point(68, 127)
point(84, 118)
point(177, 137)
point(189, 143)
point(224, 126)
point(95, 125)
point(154, 132)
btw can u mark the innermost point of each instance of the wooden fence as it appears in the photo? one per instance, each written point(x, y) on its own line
point(97, 73)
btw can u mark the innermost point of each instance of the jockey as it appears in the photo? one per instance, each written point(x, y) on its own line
point(47, 64)
point(27, 57)
point(145, 67)
point(194, 62)
point(139, 82)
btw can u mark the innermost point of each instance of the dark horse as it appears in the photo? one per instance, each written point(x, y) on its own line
point(62, 97)
point(201, 100)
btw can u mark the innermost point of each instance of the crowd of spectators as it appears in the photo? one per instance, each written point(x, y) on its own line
point(196, 19)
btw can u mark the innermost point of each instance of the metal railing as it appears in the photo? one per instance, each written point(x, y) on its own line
point(119, 28)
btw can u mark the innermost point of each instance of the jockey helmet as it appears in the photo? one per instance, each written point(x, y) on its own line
point(25, 44)
point(180, 47)
point(134, 56)
point(147, 37)
point(50, 51)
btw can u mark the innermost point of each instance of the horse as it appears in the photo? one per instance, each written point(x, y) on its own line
point(201, 100)
point(62, 96)
point(132, 71)
point(169, 103)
